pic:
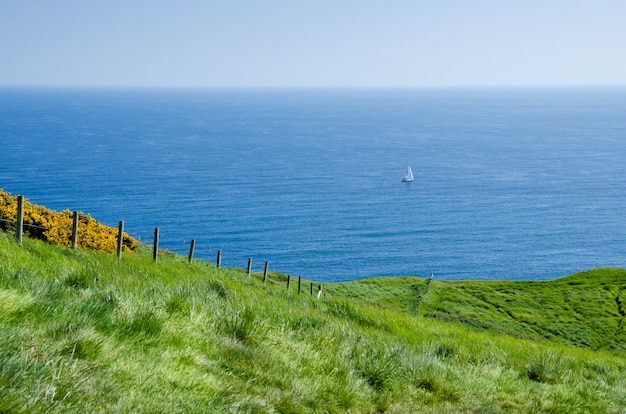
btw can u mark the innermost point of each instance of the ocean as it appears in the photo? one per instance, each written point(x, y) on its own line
point(510, 184)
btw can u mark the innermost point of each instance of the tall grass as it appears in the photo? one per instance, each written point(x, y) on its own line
point(85, 332)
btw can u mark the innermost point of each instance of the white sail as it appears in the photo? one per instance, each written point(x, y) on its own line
point(409, 176)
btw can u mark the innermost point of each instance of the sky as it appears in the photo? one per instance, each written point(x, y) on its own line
point(312, 43)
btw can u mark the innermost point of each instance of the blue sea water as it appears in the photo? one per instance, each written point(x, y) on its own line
point(517, 184)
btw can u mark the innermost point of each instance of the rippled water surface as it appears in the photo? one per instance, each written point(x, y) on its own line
point(509, 184)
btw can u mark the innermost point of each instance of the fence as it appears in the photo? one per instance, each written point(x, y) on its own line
point(19, 234)
point(56, 227)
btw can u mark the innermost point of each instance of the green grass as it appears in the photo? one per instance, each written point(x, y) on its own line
point(85, 332)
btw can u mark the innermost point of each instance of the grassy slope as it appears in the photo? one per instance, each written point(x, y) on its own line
point(586, 309)
point(84, 332)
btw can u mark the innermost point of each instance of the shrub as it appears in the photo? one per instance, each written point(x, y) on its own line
point(56, 227)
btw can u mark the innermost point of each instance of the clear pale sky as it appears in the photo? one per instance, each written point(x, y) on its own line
point(312, 43)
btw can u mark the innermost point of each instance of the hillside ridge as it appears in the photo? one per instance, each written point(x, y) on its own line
point(84, 331)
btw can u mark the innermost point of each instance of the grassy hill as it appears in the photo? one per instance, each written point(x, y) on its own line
point(82, 331)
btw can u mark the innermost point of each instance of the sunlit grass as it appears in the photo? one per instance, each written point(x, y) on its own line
point(85, 332)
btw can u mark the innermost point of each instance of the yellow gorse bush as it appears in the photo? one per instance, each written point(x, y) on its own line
point(56, 227)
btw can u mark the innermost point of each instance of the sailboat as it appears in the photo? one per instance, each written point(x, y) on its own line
point(408, 178)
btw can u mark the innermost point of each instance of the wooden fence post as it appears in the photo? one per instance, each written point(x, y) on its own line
point(120, 239)
point(299, 284)
point(155, 249)
point(75, 230)
point(249, 265)
point(311, 288)
point(19, 226)
point(192, 248)
point(265, 272)
point(219, 259)
point(288, 281)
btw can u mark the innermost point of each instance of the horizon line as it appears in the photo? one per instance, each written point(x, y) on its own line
point(308, 87)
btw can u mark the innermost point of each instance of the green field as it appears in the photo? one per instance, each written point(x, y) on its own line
point(82, 331)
